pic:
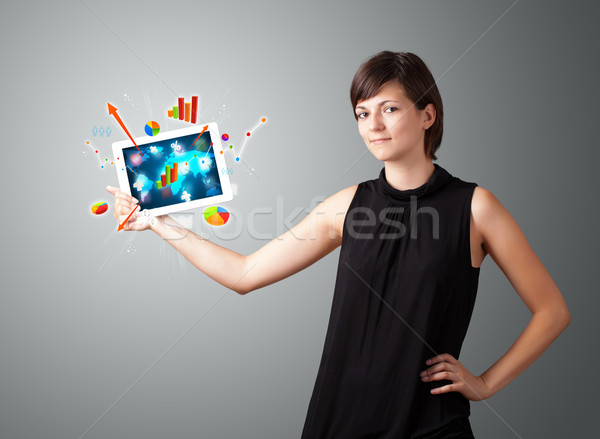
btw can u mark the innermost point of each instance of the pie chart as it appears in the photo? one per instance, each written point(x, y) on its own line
point(152, 128)
point(101, 207)
point(216, 216)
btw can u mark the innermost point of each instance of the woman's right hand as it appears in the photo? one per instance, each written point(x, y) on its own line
point(124, 205)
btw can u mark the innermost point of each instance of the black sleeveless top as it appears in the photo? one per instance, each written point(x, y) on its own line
point(404, 292)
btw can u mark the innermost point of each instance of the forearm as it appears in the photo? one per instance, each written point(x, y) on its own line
point(219, 263)
point(543, 328)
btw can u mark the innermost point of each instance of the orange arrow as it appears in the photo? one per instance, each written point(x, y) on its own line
point(201, 132)
point(113, 110)
point(122, 226)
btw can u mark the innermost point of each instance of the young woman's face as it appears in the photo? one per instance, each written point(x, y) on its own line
point(391, 125)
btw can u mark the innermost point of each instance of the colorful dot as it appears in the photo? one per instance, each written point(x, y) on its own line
point(225, 137)
point(88, 142)
point(230, 146)
point(237, 159)
point(221, 152)
point(263, 120)
point(248, 134)
point(96, 151)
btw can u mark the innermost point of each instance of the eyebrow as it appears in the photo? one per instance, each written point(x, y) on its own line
point(379, 104)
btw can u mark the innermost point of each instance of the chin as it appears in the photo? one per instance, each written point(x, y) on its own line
point(382, 157)
point(383, 154)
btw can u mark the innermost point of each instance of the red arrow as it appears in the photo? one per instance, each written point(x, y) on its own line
point(122, 226)
point(201, 132)
point(113, 110)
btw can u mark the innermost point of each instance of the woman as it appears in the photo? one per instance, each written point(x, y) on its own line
point(413, 241)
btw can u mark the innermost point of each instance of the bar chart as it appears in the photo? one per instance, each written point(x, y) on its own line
point(186, 111)
point(170, 176)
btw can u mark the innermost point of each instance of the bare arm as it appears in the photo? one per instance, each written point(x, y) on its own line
point(508, 247)
point(503, 239)
point(313, 238)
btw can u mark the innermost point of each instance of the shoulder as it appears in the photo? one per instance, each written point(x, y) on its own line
point(344, 197)
point(339, 202)
point(336, 206)
point(484, 203)
point(487, 212)
point(482, 200)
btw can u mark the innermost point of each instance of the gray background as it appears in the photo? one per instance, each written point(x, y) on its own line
point(117, 332)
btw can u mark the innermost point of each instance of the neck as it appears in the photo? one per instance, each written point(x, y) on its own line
point(405, 175)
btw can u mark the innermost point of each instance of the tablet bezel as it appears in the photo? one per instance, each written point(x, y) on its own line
point(215, 139)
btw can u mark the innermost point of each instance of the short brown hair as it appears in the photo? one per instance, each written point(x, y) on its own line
point(416, 81)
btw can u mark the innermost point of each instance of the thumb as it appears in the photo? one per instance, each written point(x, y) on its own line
point(113, 190)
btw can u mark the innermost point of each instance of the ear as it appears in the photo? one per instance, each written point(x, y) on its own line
point(429, 115)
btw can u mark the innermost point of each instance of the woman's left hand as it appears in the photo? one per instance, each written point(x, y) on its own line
point(446, 367)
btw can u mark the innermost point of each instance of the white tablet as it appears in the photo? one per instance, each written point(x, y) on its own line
point(174, 170)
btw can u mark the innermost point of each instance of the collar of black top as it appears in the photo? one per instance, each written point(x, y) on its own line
point(438, 179)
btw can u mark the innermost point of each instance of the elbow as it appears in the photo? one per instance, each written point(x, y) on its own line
point(246, 288)
point(557, 317)
point(561, 318)
point(243, 284)
point(242, 290)
point(565, 315)
point(565, 318)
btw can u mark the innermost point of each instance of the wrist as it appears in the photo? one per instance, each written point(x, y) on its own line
point(168, 229)
point(488, 391)
point(157, 225)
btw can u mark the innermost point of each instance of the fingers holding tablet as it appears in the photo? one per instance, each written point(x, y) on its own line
point(124, 206)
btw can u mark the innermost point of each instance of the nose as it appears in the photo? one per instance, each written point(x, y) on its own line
point(376, 122)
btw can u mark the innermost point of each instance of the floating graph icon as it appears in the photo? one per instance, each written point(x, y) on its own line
point(187, 111)
point(225, 137)
point(216, 215)
point(152, 128)
point(102, 163)
point(170, 176)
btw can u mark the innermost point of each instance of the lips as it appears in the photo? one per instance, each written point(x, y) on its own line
point(379, 141)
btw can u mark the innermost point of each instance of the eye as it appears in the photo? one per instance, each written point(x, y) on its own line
point(362, 115)
point(390, 109)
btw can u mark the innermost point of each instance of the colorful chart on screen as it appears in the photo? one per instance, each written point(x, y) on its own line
point(216, 216)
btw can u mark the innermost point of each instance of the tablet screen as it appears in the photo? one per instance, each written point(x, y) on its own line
point(172, 171)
